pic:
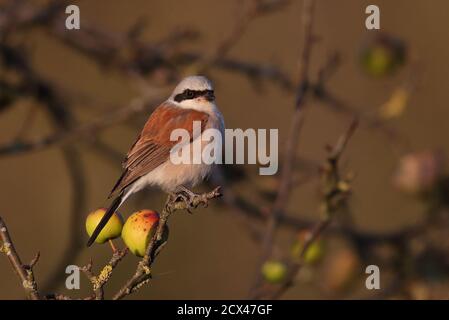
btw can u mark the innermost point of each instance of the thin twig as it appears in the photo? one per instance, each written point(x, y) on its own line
point(25, 274)
point(99, 281)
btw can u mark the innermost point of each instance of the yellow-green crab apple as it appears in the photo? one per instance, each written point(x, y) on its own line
point(274, 271)
point(112, 230)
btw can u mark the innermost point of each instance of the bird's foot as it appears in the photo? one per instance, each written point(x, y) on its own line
point(192, 199)
point(179, 196)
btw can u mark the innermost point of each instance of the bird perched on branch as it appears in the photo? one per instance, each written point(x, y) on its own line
point(148, 162)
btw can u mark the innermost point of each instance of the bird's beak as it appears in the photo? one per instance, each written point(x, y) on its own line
point(209, 96)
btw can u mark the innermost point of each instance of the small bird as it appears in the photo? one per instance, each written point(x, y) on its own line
point(148, 160)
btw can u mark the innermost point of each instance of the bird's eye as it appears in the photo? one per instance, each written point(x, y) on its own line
point(189, 94)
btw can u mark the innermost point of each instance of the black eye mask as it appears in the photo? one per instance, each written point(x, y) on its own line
point(192, 94)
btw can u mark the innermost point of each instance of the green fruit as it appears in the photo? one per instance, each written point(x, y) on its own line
point(314, 252)
point(139, 229)
point(274, 271)
point(111, 230)
point(382, 55)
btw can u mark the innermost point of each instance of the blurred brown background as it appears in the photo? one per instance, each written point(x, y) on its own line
point(209, 255)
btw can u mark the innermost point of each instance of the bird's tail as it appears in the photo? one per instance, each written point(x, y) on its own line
point(112, 208)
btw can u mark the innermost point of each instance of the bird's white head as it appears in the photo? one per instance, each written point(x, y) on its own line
point(194, 92)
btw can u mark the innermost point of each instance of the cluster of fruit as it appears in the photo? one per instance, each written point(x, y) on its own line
point(136, 232)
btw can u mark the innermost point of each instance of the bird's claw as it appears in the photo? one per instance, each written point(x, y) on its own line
point(191, 199)
point(188, 198)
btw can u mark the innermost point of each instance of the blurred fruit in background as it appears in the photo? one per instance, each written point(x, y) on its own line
point(274, 271)
point(342, 266)
point(314, 252)
point(418, 172)
point(396, 105)
point(382, 54)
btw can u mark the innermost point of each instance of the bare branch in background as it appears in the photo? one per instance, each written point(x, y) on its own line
point(85, 132)
point(336, 190)
point(286, 174)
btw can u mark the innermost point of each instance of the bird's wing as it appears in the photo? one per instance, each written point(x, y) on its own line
point(153, 145)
